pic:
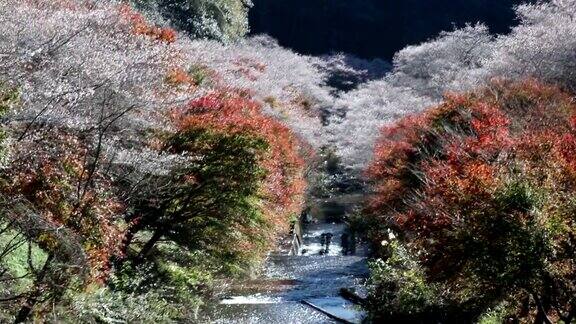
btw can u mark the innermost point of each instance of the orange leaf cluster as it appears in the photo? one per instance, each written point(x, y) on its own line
point(142, 27)
point(180, 78)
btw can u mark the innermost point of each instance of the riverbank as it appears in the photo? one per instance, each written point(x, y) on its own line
point(314, 276)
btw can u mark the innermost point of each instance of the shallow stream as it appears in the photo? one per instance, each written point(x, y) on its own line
point(293, 288)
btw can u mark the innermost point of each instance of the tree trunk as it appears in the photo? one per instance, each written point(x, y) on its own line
point(119, 260)
point(130, 233)
point(570, 316)
point(158, 233)
point(32, 299)
point(541, 316)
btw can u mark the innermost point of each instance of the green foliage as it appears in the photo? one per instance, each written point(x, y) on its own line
point(209, 216)
point(9, 98)
point(210, 212)
point(192, 271)
point(200, 74)
point(23, 255)
point(19, 258)
point(398, 285)
point(502, 248)
point(224, 20)
point(496, 315)
point(225, 191)
point(156, 292)
point(518, 196)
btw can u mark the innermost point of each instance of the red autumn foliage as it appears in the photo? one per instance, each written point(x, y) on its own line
point(142, 27)
point(455, 152)
point(57, 182)
point(234, 112)
point(482, 189)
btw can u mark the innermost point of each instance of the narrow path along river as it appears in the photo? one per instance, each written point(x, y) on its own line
point(302, 288)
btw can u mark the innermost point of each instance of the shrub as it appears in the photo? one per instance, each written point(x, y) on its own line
point(132, 296)
point(398, 286)
point(240, 185)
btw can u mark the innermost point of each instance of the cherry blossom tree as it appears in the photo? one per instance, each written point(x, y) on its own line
point(543, 45)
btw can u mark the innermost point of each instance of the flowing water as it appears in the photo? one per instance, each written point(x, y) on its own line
point(314, 276)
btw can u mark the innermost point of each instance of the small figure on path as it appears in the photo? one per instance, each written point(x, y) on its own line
point(307, 216)
point(325, 240)
point(322, 243)
point(352, 245)
point(348, 242)
point(345, 243)
point(328, 241)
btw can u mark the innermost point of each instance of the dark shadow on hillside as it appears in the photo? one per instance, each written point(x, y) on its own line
point(371, 28)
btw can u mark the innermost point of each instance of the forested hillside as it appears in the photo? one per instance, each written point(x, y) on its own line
point(224, 20)
point(372, 28)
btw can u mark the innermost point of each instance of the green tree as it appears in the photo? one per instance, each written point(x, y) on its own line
point(224, 20)
point(210, 204)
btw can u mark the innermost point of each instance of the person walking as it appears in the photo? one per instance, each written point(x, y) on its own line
point(345, 238)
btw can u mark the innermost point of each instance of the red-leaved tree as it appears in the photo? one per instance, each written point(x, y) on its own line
point(482, 189)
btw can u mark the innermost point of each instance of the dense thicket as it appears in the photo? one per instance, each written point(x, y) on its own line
point(472, 205)
point(139, 165)
point(480, 192)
